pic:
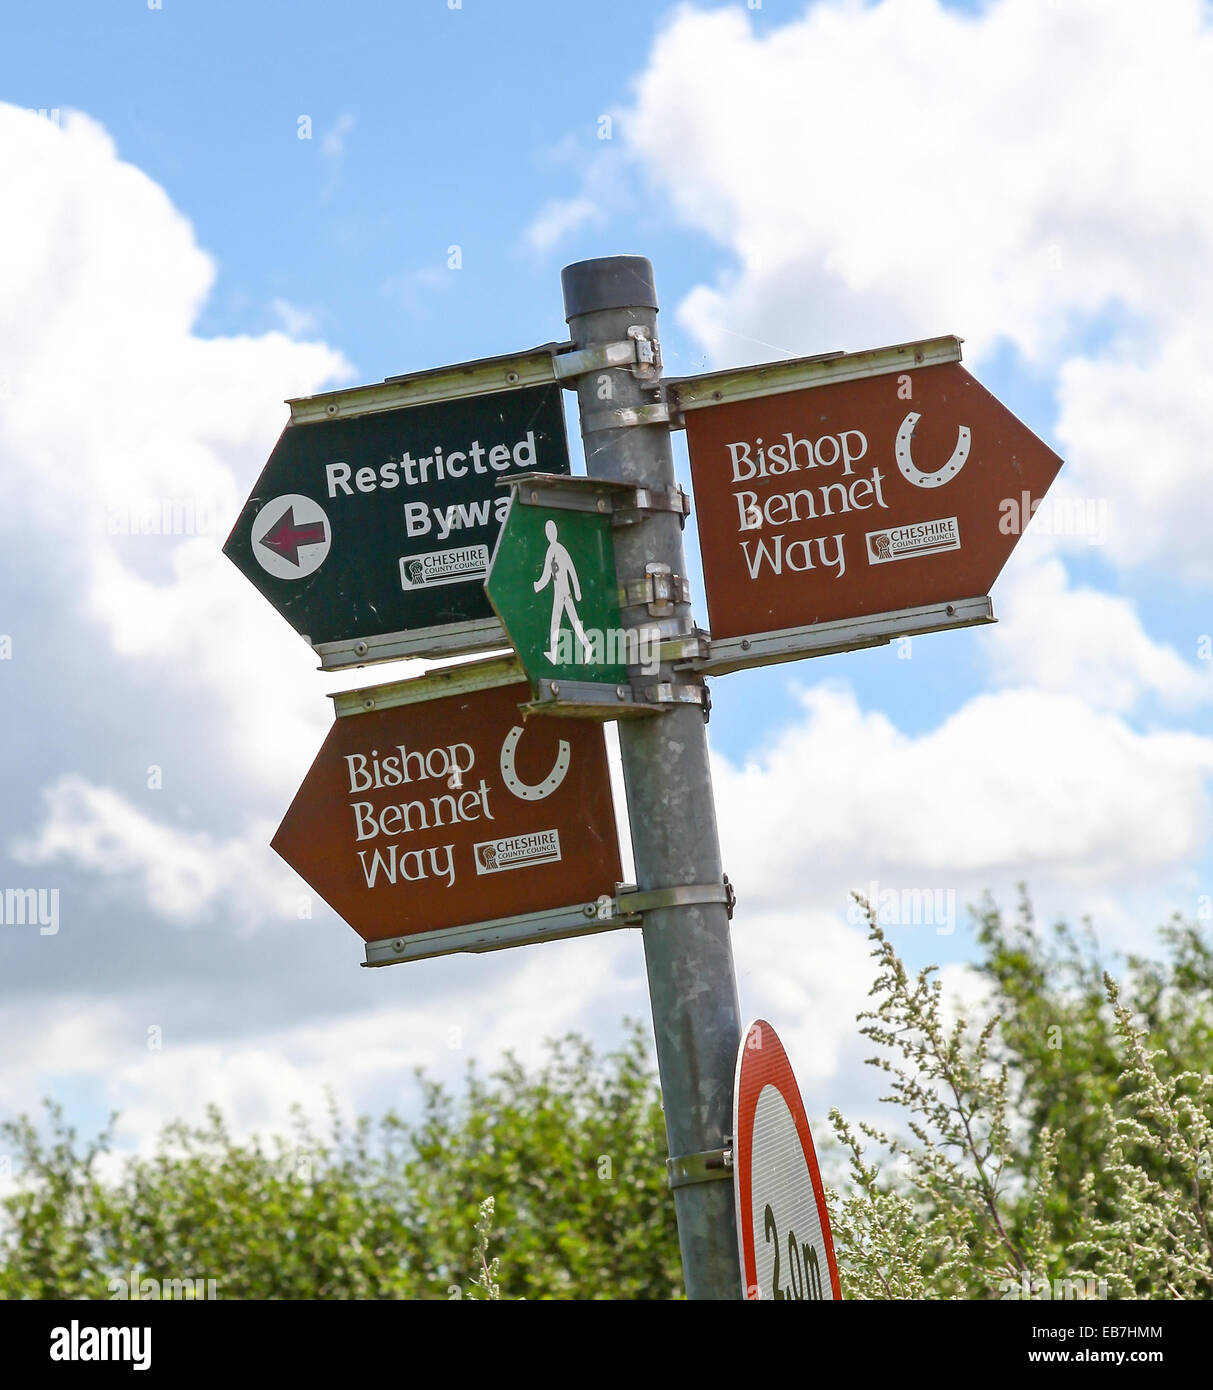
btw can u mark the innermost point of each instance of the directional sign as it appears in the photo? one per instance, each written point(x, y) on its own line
point(553, 585)
point(371, 527)
point(433, 804)
point(783, 1227)
point(841, 489)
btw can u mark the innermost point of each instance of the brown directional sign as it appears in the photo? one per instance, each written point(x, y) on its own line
point(433, 804)
point(904, 486)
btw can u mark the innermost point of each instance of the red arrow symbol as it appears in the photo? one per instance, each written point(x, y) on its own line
point(286, 538)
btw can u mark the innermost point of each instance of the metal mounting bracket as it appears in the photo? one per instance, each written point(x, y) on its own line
point(588, 700)
point(640, 352)
point(597, 700)
point(823, 639)
point(686, 646)
point(669, 693)
point(631, 901)
point(648, 353)
point(624, 503)
point(624, 416)
point(710, 1165)
point(659, 590)
point(651, 500)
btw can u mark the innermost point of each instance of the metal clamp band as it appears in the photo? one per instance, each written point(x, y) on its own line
point(667, 693)
point(632, 901)
point(712, 1165)
point(601, 357)
point(624, 416)
point(658, 589)
point(651, 500)
point(622, 502)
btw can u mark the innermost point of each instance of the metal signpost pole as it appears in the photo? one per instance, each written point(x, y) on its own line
point(688, 955)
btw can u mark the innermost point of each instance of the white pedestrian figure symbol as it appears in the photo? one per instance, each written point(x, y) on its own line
point(560, 572)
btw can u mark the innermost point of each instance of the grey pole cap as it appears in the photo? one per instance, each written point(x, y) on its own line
point(610, 282)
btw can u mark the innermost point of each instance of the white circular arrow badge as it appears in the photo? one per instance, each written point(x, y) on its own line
point(291, 536)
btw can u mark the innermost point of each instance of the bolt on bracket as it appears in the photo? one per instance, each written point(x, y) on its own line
point(709, 1165)
point(648, 353)
point(640, 352)
point(659, 590)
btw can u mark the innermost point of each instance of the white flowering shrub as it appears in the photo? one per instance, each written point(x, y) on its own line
point(1052, 1148)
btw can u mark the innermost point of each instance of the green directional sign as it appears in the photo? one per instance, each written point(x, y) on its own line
point(371, 526)
point(552, 583)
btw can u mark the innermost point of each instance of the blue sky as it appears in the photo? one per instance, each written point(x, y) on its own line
point(177, 261)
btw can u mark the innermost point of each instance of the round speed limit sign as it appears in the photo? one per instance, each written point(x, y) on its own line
point(783, 1228)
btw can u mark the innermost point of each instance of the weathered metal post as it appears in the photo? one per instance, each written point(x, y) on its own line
point(692, 985)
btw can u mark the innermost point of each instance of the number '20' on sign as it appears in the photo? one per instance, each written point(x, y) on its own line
point(803, 1266)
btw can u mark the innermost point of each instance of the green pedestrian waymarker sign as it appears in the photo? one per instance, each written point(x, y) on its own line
point(552, 583)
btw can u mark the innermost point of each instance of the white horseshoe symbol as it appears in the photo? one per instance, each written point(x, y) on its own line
point(523, 790)
point(943, 475)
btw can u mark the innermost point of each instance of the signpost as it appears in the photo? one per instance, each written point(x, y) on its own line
point(842, 500)
point(371, 526)
point(853, 497)
point(687, 947)
point(436, 819)
point(783, 1227)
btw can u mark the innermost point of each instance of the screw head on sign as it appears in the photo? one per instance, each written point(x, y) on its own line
point(368, 703)
point(332, 408)
point(360, 649)
point(511, 377)
point(620, 692)
point(555, 687)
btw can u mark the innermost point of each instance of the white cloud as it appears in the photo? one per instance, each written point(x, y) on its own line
point(1022, 174)
point(426, 1017)
point(1136, 429)
point(805, 970)
point(119, 421)
point(183, 875)
point(1055, 637)
point(296, 322)
point(559, 219)
point(333, 144)
point(927, 170)
point(1018, 784)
